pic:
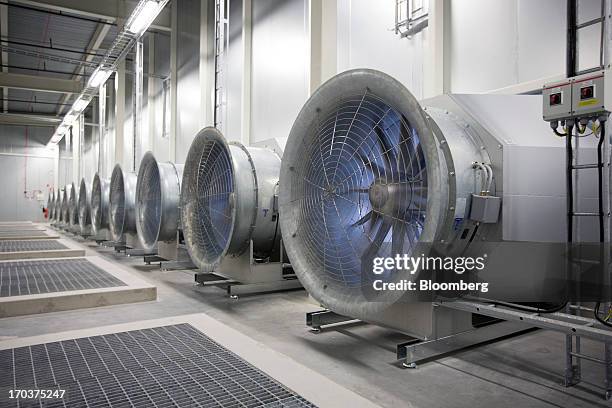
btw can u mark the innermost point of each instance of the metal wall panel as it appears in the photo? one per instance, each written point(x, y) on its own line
point(188, 76)
point(280, 66)
point(233, 122)
point(365, 40)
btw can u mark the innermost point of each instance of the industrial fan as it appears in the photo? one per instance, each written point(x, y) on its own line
point(100, 192)
point(121, 211)
point(229, 211)
point(158, 191)
point(58, 206)
point(84, 208)
point(68, 192)
point(73, 210)
point(370, 173)
point(51, 205)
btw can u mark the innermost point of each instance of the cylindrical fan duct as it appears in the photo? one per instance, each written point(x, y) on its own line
point(158, 192)
point(228, 199)
point(84, 205)
point(100, 191)
point(65, 205)
point(363, 176)
point(122, 198)
point(58, 206)
point(73, 208)
point(51, 204)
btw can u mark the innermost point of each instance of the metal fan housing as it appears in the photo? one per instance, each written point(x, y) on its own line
point(73, 208)
point(122, 199)
point(84, 205)
point(100, 192)
point(65, 204)
point(158, 190)
point(228, 199)
point(368, 173)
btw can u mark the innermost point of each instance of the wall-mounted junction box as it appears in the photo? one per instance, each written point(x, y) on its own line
point(582, 97)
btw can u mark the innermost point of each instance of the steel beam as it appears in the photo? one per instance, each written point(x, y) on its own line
point(105, 10)
point(28, 120)
point(4, 54)
point(39, 83)
point(96, 40)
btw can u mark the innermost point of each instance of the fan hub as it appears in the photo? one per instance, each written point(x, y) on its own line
point(389, 198)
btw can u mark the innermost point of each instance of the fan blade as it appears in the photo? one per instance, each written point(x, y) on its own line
point(373, 248)
point(408, 152)
point(387, 151)
point(370, 164)
point(363, 219)
point(397, 238)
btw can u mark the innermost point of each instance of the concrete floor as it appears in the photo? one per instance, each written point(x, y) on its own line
point(524, 371)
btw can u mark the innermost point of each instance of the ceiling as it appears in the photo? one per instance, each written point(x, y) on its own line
point(47, 43)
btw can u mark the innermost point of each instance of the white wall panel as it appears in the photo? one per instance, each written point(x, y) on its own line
point(366, 40)
point(188, 76)
point(233, 77)
point(280, 66)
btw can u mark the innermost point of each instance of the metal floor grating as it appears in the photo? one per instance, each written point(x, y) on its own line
point(20, 278)
point(22, 233)
point(169, 366)
point(31, 245)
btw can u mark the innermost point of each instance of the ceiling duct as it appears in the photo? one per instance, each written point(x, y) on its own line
point(368, 171)
point(100, 191)
point(65, 206)
point(228, 199)
point(122, 196)
point(84, 205)
point(73, 209)
point(158, 190)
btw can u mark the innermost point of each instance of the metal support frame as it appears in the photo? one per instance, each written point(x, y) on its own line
point(221, 46)
point(138, 86)
point(236, 289)
point(39, 83)
point(245, 275)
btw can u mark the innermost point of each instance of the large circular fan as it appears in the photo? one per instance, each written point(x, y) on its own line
point(100, 191)
point(228, 198)
point(84, 204)
point(122, 197)
point(357, 184)
point(157, 197)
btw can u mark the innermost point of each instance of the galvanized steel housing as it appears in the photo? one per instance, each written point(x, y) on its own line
point(122, 197)
point(85, 207)
point(158, 190)
point(100, 195)
point(228, 199)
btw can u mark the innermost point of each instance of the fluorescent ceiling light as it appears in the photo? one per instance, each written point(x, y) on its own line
point(144, 17)
point(80, 105)
point(70, 118)
point(98, 77)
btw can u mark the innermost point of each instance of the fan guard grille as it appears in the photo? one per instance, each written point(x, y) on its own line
point(355, 186)
point(363, 188)
point(149, 201)
point(207, 201)
point(117, 203)
point(66, 204)
point(84, 206)
point(99, 203)
point(73, 207)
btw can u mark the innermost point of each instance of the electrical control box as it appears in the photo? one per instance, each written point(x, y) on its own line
point(557, 100)
point(582, 97)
